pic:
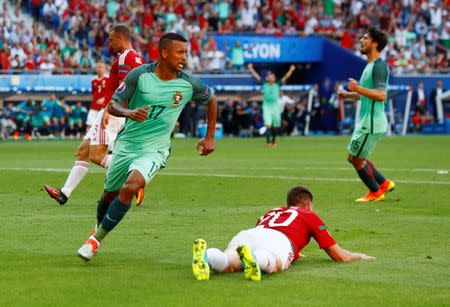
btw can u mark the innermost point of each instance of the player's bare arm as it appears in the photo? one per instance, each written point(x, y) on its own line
point(341, 255)
point(105, 117)
point(100, 101)
point(253, 72)
point(117, 109)
point(288, 74)
point(374, 94)
point(207, 145)
point(348, 95)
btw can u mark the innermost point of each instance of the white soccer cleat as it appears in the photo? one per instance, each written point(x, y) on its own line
point(262, 130)
point(88, 250)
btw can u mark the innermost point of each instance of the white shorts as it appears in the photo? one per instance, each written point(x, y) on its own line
point(271, 240)
point(91, 117)
point(99, 136)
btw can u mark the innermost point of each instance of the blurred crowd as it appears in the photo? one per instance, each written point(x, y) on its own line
point(240, 117)
point(71, 36)
point(51, 117)
point(418, 30)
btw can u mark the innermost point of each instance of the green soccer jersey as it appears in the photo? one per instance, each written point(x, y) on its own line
point(166, 99)
point(271, 93)
point(372, 118)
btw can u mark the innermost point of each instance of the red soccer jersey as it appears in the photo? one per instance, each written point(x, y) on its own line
point(298, 225)
point(98, 91)
point(126, 61)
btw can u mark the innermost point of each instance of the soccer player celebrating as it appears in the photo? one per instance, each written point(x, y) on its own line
point(273, 244)
point(151, 98)
point(98, 94)
point(103, 132)
point(271, 102)
point(372, 91)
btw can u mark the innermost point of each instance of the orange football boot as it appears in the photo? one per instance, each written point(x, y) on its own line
point(387, 186)
point(372, 196)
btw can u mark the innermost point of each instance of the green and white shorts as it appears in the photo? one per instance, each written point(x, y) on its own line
point(362, 143)
point(148, 164)
point(272, 116)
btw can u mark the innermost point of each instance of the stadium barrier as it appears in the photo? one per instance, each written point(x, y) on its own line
point(75, 87)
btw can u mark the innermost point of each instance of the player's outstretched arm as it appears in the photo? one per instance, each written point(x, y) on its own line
point(376, 94)
point(288, 74)
point(348, 95)
point(117, 109)
point(253, 72)
point(207, 145)
point(341, 255)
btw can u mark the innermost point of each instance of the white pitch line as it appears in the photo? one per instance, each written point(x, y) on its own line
point(301, 178)
point(420, 170)
point(349, 168)
point(294, 162)
point(168, 173)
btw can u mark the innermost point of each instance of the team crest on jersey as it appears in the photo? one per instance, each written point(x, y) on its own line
point(121, 87)
point(176, 99)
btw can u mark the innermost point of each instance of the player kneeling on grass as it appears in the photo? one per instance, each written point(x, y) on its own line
point(273, 244)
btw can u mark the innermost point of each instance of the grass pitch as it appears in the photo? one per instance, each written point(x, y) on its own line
point(146, 260)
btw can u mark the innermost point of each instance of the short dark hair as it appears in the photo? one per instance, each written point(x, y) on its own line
point(171, 36)
point(122, 30)
point(298, 195)
point(379, 37)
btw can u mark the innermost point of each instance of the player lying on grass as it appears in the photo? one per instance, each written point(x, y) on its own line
point(273, 244)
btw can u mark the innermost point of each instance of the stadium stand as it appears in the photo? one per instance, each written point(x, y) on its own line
point(68, 37)
point(418, 31)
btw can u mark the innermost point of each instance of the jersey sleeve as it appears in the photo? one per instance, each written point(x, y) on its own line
point(380, 74)
point(128, 86)
point(132, 60)
point(201, 93)
point(319, 231)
